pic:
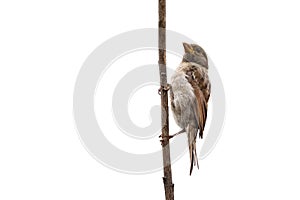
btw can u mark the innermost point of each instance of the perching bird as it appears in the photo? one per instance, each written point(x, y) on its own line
point(189, 94)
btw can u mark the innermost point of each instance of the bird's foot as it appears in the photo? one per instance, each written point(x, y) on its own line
point(171, 136)
point(167, 137)
point(165, 88)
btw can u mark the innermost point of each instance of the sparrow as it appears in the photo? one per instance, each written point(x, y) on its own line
point(189, 94)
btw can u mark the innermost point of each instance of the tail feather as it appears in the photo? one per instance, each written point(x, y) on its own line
point(192, 133)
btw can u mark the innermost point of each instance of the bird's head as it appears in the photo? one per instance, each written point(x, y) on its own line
point(194, 53)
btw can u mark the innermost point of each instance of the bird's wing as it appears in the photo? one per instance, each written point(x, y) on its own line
point(198, 79)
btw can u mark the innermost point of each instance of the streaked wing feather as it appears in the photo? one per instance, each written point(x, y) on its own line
point(196, 77)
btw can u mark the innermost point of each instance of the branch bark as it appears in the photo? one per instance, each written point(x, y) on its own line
point(167, 179)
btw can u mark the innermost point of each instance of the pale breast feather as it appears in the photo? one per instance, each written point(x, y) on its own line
point(182, 96)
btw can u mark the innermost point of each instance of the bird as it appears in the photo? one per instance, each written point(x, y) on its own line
point(189, 94)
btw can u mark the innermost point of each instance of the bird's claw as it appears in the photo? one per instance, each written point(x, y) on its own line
point(165, 138)
point(165, 88)
point(169, 136)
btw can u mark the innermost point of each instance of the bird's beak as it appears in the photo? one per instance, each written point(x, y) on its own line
point(187, 48)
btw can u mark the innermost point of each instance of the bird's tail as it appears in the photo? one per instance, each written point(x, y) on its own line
point(192, 133)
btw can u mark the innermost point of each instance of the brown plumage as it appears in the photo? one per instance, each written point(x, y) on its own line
point(189, 94)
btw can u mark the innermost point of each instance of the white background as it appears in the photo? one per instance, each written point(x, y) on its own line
point(254, 44)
